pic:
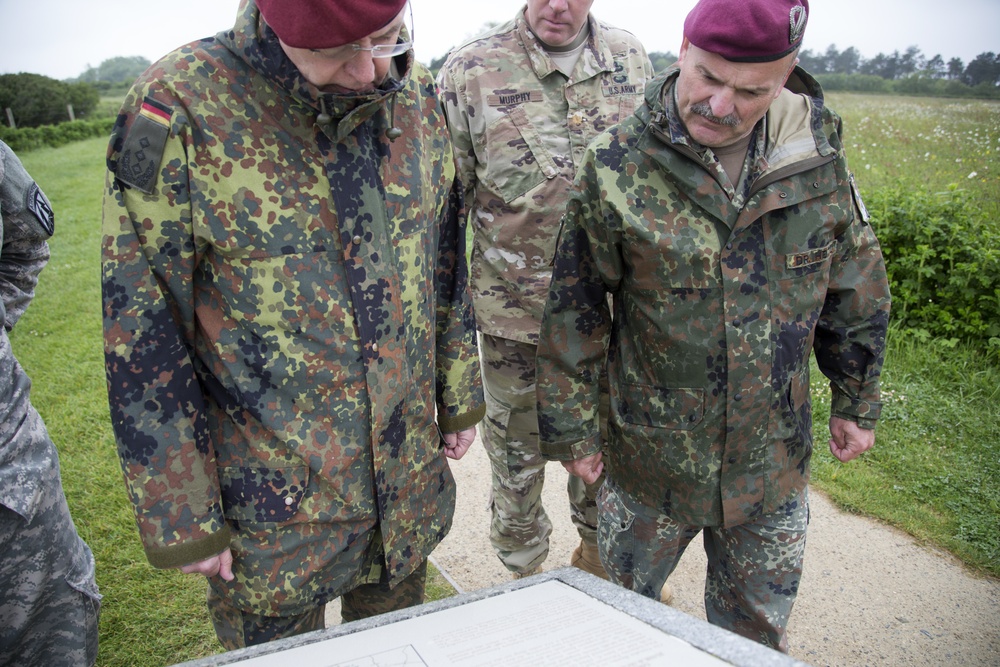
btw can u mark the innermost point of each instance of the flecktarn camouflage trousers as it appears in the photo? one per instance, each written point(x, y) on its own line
point(754, 569)
point(238, 628)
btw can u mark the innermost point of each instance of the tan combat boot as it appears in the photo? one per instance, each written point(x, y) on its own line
point(522, 575)
point(666, 594)
point(586, 558)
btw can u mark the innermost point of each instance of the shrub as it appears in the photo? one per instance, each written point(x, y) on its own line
point(859, 83)
point(943, 263)
point(37, 100)
point(24, 139)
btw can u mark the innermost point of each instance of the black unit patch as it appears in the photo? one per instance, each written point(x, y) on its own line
point(36, 202)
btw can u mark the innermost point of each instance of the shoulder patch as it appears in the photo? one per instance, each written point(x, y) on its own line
point(856, 193)
point(143, 150)
point(39, 206)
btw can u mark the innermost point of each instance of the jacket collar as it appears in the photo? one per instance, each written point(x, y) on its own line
point(595, 59)
point(255, 43)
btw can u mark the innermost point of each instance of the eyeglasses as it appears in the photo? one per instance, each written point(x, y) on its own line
point(348, 51)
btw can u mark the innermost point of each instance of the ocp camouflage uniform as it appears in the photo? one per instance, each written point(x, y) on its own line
point(287, 322)
point(49, 602)
point(520, 127)
point(720, 294)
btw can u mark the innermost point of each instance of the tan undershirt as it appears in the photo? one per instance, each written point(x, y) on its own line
point(732, 158)
point(565, 57)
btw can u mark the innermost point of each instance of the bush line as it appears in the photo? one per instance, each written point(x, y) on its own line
point(25, 139)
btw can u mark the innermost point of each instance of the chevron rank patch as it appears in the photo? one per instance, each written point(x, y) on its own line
point(143, 151)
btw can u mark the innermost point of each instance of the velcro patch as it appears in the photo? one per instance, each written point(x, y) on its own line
point(143, 150)
point(36, 202)
point(856, 193)
point(816, 256)
point(622, 89)
point(510, 99)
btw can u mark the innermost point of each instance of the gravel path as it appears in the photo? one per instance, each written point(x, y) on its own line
point(870, 595)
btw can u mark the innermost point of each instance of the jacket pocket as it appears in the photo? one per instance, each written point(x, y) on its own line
point(517, 158)
point(798, 390)
point(262, 495)
point(661, 407)
point(615, 533)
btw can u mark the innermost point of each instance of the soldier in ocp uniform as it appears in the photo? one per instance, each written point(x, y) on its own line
point(49, 602)
point(289, 338)
point(724, 221)
point(523, 101)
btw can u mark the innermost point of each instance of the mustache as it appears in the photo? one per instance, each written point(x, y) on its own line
point(705, 111)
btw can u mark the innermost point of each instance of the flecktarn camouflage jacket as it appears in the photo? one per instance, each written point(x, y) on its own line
point(717, 308)
point(520, 129)
point(287, 321)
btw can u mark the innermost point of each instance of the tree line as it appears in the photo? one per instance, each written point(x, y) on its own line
point(983, 69)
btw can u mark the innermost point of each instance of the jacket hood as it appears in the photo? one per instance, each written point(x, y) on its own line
point(253, 41)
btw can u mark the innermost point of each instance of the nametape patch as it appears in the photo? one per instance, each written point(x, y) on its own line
point(510, 99)
point(143, 150)
point(817, 256)
point(622, 89)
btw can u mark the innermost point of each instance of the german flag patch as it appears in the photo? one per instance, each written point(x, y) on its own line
point(143, 150)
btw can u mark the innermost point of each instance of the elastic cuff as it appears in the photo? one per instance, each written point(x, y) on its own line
point(461, 422)
point(867, 424)
point(854, 409)
point(186, 553)
point(570, 451)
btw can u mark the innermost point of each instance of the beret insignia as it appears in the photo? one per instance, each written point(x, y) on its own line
point(796, 23)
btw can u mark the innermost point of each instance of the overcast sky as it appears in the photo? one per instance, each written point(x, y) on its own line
point(62, 38)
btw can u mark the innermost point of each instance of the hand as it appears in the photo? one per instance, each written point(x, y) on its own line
point(456, 444)
point(589, 468)
point(848, 440)
point(221, 564)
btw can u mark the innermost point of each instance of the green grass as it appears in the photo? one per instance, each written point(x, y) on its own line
point(935, 468)
point(934, 472)
point(110, 104)
point(924, 141)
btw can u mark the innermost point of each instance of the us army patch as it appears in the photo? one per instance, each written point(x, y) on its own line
point(36, 202)
point(856, 193)
point(621, 89)
point(510, 99)
point(143, 150)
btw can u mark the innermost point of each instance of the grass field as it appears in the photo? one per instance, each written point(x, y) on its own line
point(927, 142)
point(935, 471)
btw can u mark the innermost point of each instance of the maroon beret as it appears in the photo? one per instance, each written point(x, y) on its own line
point(747, 31)
point(324, 24)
